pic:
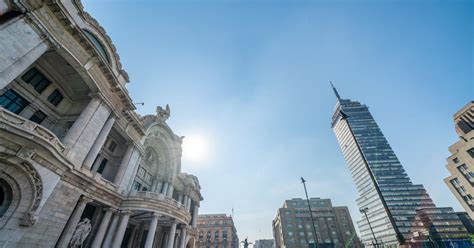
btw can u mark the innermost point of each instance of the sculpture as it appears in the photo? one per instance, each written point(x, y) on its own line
point(163, 114)
point(246, 243)
point(83, 229)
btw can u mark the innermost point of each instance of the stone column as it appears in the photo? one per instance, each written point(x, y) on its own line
point(188, 205)
point(185, 201)
point(195, 216)
point(138, 238)
point(150, 237)
point(132, 237)
point(20, 46)
point(165, 188)
point(182, 240)
point(159, 184)
point(97, 163)
point(76, 129)
point(180, 198)
point(111, 231)
point(123, 164)
point(99, 142)
point(170, 190)
point(121, 229)
point(72, 223)
point(99, 236)
point(172, 235)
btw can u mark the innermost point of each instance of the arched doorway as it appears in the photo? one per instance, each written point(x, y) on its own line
point(6, 196)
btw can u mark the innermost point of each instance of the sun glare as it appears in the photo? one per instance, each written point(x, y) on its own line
point(195, 148)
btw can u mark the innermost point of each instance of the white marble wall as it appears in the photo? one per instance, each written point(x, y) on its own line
point(20, 46)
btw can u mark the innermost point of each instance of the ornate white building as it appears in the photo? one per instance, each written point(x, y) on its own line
point(77, 164)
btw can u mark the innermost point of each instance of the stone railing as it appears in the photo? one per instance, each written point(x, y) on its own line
point(155, 202)
point(10, 119)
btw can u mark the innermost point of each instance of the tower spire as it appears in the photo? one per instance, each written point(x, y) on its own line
point(335, 91)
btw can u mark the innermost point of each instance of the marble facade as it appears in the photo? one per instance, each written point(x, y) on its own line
point(72, 148)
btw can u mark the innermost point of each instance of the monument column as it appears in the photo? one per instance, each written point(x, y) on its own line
point(121, 228)
point(99, 237)
point(150, 237)
point(72, 223)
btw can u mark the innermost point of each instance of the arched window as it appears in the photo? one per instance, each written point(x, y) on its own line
point(6, 194)
point(98, 45)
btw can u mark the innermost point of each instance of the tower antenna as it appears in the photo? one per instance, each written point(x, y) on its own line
point(335, 91)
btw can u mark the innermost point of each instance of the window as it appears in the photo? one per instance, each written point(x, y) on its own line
point(456, 160)
point(102, 166)
point(38, 117)
point(112, 146)
point(13, 102)
point(136, 186)
point(98, 45)
point(55, 98)
point(36, 79)
point(471, 152)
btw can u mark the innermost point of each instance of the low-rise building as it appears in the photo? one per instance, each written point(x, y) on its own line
point(293, 228)
point(216, 231)
point(263, 243)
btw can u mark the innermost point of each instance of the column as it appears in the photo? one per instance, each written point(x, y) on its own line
point(124, 163)
point(76, 129)
point(195, 216)
point(165, 188)
point(188, 205)
point(185, 201)
point(111, 231)
point(121, 229)
point(99, 142)
point(171, 235)
point(138, 239)
point(182, 240)
point(150, 237)
point(158, 186)
point(132, 237)
point(72, 223)
point(20, 46)
point(99, 236)
point(170, 190)
point(97, 163)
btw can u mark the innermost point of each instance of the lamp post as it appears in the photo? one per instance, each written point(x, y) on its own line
point(310, 213)
point(364, 211)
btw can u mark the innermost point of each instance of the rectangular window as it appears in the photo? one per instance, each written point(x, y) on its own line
point(38, 117)
point(55, 98)
point(136, 186)
point(102, 166)
point(471, 152)
point(13, 102)
point(112, 146)
point(36, 79)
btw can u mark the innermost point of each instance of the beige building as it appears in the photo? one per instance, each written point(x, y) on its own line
point(216, 231)
point(77, 165)
point(292, 227)
point(461, 162)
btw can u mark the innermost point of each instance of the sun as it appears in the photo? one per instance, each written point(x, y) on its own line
point(195, 148)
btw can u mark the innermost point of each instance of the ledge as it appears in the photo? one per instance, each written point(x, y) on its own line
point(154, 202)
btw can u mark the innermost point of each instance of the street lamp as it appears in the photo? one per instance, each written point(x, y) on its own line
point(364, 211)
point(310, 213)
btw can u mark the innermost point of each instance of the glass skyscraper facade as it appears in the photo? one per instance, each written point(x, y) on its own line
point(384, 188)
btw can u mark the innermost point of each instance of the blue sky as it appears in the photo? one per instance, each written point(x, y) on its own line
point(251, 79)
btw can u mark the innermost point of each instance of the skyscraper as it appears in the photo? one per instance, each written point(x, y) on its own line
point(386, 192)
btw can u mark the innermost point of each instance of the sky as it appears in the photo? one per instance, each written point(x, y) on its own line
point(248, 85)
